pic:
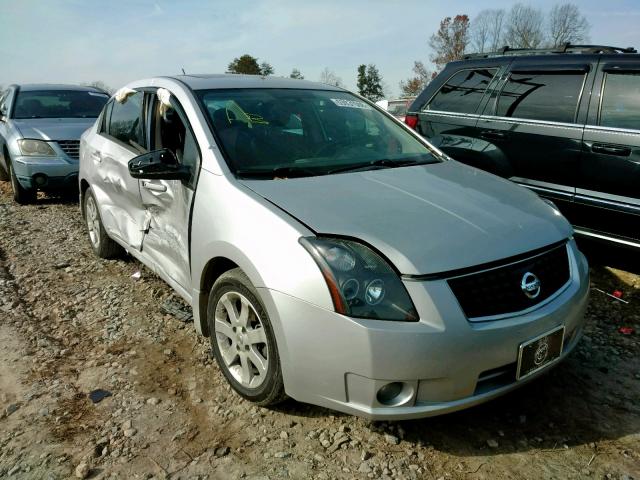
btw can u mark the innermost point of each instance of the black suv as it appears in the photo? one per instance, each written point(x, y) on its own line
point(564, 123)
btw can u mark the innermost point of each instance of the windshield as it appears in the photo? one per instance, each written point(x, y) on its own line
point(59, 104)
point(269, 133)
point(398, 108)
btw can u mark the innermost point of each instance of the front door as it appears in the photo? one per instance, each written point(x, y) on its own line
point(167, 203)
point(608, 183)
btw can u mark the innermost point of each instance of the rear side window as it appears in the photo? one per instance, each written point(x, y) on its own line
point(463, 91)
point(126, 121)
point(621, 101)
point(541, 96)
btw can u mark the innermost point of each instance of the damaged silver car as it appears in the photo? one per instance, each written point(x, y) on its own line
point(330, 253)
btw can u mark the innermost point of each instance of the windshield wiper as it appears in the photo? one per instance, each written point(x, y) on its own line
point(382, 163)
point(280, 172)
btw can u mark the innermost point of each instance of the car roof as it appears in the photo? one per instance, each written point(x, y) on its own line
point(30, 87)
point(544, 58)
point(233, 80)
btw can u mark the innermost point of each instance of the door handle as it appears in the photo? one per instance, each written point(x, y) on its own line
point(96, 156)
point(155, 187)
point(610, 150)
point(493, 135)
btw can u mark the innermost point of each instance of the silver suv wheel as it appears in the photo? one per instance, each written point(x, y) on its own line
point(241, 339)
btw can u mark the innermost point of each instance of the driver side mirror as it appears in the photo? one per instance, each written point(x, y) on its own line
point(158, 165)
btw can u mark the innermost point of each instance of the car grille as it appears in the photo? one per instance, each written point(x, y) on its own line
point(498, 291)
point(70, 147)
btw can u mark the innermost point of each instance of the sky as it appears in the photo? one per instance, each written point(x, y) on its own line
point(76, 41)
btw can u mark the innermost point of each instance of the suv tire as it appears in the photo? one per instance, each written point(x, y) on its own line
point(242, 338)
point(101, 244)
point(21, 195)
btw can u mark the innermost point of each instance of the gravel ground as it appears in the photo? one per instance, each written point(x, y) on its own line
point(71, 324)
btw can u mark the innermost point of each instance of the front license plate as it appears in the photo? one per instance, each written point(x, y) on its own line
point(539, 352)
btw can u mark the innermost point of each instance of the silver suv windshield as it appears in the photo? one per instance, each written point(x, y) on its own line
point(283, 133)
point(59, 104)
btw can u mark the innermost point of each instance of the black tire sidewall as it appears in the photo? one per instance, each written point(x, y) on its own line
point(20, 194)
point(236, 283)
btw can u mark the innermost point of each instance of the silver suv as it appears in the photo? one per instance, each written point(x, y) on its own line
point(330, 253)
point(40, 128)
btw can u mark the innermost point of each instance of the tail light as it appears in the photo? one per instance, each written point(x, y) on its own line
point(411, 120)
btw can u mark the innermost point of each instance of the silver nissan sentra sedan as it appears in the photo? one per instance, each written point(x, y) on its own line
point(330, 253)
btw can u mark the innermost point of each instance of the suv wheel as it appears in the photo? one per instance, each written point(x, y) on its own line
point(21, 195)
point(243, 341)
point(101, 244)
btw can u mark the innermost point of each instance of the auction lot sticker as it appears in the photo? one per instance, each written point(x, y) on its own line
point(341, 102)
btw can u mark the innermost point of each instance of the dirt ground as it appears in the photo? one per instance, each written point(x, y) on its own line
point(71, 324)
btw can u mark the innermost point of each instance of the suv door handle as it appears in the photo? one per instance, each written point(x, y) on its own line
point(156, 187)
point(493, 135)
point(611, 149)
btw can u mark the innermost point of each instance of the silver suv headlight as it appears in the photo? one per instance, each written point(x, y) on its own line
point(362, 283)
point(35, 148)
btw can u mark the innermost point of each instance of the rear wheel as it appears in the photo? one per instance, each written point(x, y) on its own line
point(102, 245)
point(20, 194)
point(243, 341)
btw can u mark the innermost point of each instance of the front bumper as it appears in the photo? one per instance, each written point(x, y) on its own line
point(46, 172)
point(445, 362)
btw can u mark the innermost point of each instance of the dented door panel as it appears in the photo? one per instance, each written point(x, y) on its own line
point(167, 205)
point(117, 193)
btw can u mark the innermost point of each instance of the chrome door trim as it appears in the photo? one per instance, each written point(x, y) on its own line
point(601, 236)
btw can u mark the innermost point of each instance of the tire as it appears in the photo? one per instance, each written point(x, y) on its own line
point(240, 345)
point(21, 195)
point(101, 244)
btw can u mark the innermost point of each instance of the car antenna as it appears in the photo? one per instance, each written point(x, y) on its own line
point(183, 71)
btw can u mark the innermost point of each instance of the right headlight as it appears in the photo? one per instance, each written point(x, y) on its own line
point(362, 284)
point(35, 148)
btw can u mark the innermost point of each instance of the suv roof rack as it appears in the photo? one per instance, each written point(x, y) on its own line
point(566, 48)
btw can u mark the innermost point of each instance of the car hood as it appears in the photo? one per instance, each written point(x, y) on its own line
point(53, 128)
point(425, 219)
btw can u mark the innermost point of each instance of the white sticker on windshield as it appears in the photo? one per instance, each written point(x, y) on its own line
point(341, 102)
point(98, 94)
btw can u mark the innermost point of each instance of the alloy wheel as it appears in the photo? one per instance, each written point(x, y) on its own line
point(93, 221)
point(241, 339)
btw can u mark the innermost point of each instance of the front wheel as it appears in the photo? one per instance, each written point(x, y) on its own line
point(21, 195)
point(243, 341)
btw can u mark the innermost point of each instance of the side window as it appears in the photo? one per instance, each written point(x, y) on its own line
point(621, 101)
point(541, 96)
point(126, 121)
point(170, 130)
point(106, 114)
point(463, 91)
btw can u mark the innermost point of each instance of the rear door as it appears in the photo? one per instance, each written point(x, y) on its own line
point(167, 203)
point(121, 137)
point(533, 126)
point(608, 183)
point(448, 118)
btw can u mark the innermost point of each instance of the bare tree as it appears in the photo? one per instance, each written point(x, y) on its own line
point(450, 41)
point(567, 25)
point(487, 30)
point(329, 77)
point(524, 28)
point(414, 85)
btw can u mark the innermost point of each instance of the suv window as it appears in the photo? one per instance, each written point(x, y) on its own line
point(463, 91)
point(126, 122)
point(541, 96)
point(621, 101)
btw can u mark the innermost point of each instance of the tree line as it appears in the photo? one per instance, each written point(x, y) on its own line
point(521, 26)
